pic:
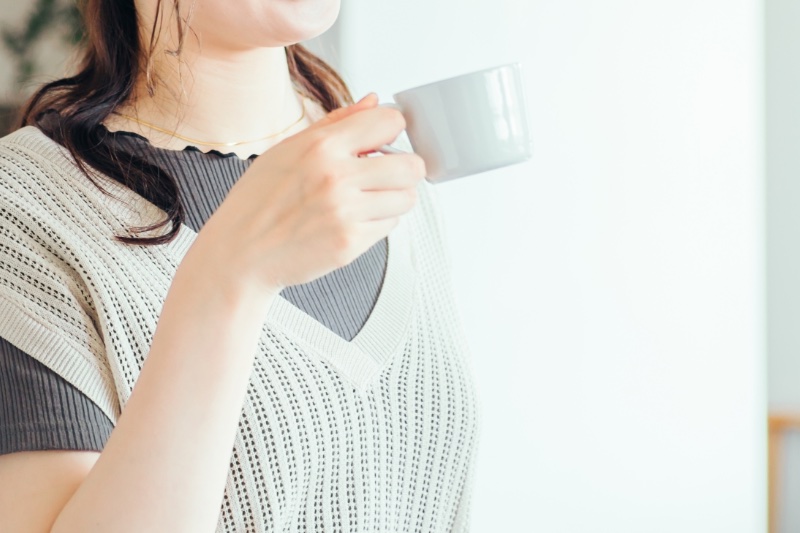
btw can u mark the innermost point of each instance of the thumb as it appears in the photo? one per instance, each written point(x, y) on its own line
point(368, 102)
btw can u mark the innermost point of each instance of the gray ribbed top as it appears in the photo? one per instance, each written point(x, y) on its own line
point(39, 410)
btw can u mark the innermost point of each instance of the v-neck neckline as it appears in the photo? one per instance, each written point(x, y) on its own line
point(358, 360)
point(381, 336)
point(362, 358)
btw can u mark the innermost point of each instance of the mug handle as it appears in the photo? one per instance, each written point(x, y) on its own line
point(388, 149)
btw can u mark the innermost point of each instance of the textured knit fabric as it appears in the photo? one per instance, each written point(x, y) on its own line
point(39, 410)
point(375, 434)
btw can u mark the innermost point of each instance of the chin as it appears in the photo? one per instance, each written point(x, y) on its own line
point(308, 19)
point(264, 23)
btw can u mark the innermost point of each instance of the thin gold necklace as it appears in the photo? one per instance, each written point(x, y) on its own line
point(225, 144)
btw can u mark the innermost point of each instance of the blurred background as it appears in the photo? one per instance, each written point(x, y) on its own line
point(632, 294)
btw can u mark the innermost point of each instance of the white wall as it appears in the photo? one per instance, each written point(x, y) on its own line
point(613, 287)
point(783, 199)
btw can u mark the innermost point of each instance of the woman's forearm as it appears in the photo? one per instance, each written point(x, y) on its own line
point(165, 465)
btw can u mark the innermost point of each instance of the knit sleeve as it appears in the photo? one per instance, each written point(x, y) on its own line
point(45, 305)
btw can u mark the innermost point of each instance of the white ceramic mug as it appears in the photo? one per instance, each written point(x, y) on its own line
point(468, 124)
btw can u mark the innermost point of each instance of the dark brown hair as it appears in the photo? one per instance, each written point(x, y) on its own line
point(112, 62)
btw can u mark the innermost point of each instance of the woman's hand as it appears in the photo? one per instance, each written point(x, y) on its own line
point(312, 204)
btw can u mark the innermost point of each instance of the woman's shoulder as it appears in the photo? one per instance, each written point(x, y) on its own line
point(30, 155)
point(35, 167)
point(28, 138)
point(34, 172)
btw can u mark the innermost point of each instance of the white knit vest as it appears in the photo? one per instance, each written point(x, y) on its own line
point(378, 434)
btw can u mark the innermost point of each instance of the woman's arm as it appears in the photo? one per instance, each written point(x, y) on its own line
point(35, 486)
point(165, 464)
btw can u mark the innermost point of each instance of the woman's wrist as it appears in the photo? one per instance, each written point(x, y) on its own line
point(213, 268)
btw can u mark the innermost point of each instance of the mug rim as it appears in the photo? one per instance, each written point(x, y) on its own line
point(514, 65)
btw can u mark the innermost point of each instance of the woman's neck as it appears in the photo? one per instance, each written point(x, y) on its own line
point(216, 96)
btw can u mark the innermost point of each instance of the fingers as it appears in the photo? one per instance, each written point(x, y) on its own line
point(381, 205)
point(376, 230)
point(362, 127)
point(370, 130)
point(365, 129)
point(369, 101)
point(394, 171)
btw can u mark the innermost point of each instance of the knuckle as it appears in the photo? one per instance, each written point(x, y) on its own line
point(331, 177)
point(333, 210)
point(343, 248)
point(417, 165)
point(339, 215)
point(342, 242)
point(321, 145)
point(328, 180)
point(398, 121)
point(335, 204)
point(422, 170)
point(412, 197)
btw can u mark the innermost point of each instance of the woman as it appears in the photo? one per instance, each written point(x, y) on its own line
point(287, 320)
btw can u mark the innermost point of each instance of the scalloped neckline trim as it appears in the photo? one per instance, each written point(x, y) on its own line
point(188, 148)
